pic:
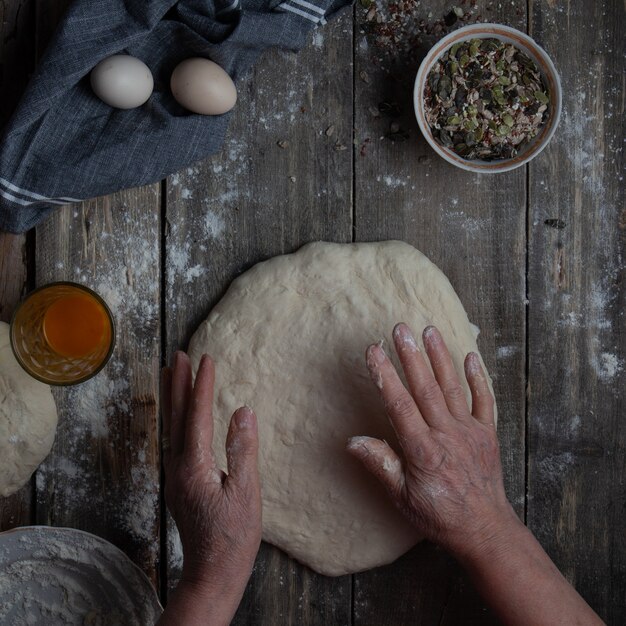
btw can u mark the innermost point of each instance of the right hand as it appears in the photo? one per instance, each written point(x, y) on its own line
point(449, 481)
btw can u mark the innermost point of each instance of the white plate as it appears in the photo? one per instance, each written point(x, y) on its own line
point(65, 576)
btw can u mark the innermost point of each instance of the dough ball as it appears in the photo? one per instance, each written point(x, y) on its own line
point(28, 420)
point(289, 340)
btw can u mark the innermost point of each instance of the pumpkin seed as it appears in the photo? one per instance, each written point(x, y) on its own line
point(485, 99)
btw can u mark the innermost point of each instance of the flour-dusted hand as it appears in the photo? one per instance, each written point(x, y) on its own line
point(449, 482)
point(218, 515)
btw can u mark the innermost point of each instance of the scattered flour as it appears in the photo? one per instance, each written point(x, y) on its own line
point(468, 223)
point(591, 310)
point(235, 149)
point(578, 131)
point(214, 225)
point(505, 352)
point(392, 181)
point(574, 426)
point(137, 514)
point(554, 467)
point(67, 467)
point(318, 39)
point(219, 194)
point(98, 419)
point(590, 204)
point(600, 297)
point(606, 366)
point(194, 272)
point(183, 265)
point(96, 400)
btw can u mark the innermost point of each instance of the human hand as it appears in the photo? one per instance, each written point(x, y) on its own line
point(218, 516)
point(449, 483)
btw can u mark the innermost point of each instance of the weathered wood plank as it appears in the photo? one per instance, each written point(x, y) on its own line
point(103, 472)
point(577, 435)
point(13, 273)
point(253, 201)
point(16, 510)
point(473, 228)
point(17, 55)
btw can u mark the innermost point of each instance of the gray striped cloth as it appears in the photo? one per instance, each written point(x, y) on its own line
point(63, 144)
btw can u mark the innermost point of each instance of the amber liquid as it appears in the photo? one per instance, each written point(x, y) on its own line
point(75, 326)
point(62, 333)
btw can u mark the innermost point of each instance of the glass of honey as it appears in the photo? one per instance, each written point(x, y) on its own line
point(62, 333)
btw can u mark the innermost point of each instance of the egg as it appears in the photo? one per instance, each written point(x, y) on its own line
point(202, 86)
point(122, 81)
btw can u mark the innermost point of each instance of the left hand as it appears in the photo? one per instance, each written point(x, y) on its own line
point(218, 516)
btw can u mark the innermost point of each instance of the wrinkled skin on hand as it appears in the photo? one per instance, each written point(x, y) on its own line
point(218, 516)
point(448, 479)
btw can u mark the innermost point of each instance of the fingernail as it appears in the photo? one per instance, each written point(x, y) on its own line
point(357, 443)
point(244, 417)
point(431, 334)
point(473, 363)
point(375, 355)
point(404, 338)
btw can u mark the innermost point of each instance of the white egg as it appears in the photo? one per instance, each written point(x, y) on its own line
point(122, 81)
point(202, 86)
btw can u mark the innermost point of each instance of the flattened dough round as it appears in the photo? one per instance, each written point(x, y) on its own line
point(289, 340)
point(28, 420)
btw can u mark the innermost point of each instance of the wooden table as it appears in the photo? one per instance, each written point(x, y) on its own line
point(547, 295)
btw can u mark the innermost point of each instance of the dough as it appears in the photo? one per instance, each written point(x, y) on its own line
point(28, 420)
point(289, 340)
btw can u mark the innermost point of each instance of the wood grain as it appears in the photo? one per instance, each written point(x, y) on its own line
point(16, 510)
point(474, 228)
point(253, 201)
point(577, 378)
point(103, 472)
point(17, 58)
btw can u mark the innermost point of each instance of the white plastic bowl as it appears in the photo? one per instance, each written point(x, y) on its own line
point(527, 45)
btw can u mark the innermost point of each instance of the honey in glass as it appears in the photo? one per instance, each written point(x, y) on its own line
point(63, 333)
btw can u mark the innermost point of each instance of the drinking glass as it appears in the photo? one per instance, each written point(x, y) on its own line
point(62, 333)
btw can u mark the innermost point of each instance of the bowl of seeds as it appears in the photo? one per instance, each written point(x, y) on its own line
point(487, 98)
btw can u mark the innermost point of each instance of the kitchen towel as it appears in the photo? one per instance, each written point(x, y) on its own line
point(63, 144)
